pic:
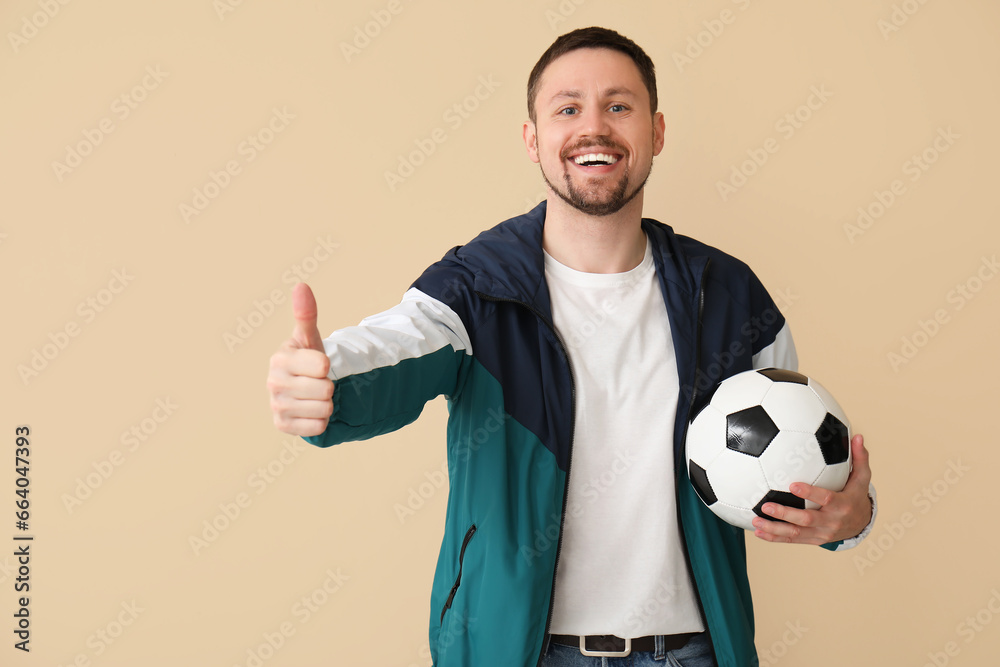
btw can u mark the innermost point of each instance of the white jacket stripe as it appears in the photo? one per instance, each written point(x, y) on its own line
point(780, 353)
point(417, 326)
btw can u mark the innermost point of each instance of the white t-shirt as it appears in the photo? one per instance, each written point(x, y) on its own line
point(621, 570)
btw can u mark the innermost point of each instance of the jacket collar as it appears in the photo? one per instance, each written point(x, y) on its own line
point(508, 263)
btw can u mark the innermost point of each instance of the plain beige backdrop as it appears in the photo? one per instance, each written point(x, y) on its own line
point(169, 170)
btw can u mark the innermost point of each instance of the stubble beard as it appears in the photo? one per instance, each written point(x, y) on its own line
point(592, 203)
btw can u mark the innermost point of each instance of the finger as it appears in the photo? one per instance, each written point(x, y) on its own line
point(302, 427)
point(779, 531)
point(859, 455)
point(306, 332)
point(787, 539)
point(289, 409)
point(817, 494)
point(307, 389)
point(305, 363)
point(861, 473)
point(789, 515)
point(776, 531)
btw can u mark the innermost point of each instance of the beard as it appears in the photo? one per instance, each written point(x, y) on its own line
point(597, 200)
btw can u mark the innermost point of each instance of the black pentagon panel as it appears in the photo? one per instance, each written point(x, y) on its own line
point(834, 440)
point(750, 431)
point(781, 498)
point(782, 375)
point(699, 480)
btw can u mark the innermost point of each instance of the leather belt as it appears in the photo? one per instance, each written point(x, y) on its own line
point(612, 646)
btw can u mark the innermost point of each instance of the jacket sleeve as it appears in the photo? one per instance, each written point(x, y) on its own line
point(780, 353)
point(388, 366)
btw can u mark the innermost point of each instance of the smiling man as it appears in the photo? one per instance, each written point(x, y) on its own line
point(570, 340)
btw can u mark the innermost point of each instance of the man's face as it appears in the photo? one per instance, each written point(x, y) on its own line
point(593, 136)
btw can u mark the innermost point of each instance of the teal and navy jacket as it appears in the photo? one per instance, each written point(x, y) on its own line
point(476, 326)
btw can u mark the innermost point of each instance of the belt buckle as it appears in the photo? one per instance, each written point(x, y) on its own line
point(606, 654)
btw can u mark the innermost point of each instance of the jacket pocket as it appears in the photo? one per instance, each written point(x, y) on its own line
point(458, 580)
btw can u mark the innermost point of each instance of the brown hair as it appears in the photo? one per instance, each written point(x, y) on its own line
point(593, 38)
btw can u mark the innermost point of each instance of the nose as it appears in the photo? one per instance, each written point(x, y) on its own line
point(594, 124)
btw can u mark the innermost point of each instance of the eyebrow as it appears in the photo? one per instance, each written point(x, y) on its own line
point(578, 94)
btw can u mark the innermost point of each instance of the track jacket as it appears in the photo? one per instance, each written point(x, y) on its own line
point(477, 327)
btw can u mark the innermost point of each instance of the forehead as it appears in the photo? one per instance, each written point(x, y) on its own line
point(591, 71)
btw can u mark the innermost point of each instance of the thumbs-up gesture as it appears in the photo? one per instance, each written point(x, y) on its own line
point(301, 392)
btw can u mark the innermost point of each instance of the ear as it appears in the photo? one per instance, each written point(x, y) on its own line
point(659, 130)
point(530, 140)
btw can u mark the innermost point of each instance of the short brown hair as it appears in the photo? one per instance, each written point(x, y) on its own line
point(593, 38)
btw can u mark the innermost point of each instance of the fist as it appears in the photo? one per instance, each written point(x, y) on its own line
point(301, 392)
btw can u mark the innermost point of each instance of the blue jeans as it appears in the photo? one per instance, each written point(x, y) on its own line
point(696, 653)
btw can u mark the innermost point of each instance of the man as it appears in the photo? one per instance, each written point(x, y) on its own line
point(574, 337)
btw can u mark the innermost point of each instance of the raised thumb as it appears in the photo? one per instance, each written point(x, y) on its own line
point(306, 332)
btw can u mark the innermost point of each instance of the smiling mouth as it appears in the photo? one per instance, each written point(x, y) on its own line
point(595, 159)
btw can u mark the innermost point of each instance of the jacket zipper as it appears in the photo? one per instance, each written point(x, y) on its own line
point(697, 345)
point(569, 458)
point(458, 580)
point(687, 422)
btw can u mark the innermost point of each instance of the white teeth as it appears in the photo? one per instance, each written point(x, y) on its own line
point(595, 157)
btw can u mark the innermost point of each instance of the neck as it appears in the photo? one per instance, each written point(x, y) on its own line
point(608, 244)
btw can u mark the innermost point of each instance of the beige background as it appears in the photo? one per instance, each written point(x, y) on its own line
point(166, 327)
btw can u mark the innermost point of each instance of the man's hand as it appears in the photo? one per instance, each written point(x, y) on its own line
point(841, 515)
point(301, 392)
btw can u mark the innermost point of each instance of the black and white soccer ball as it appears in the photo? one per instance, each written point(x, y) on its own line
point(760, 432)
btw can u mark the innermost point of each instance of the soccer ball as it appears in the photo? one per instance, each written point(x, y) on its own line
point(759, 432)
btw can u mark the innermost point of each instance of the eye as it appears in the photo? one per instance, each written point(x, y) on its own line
point(618, 107)
point(568, 111)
